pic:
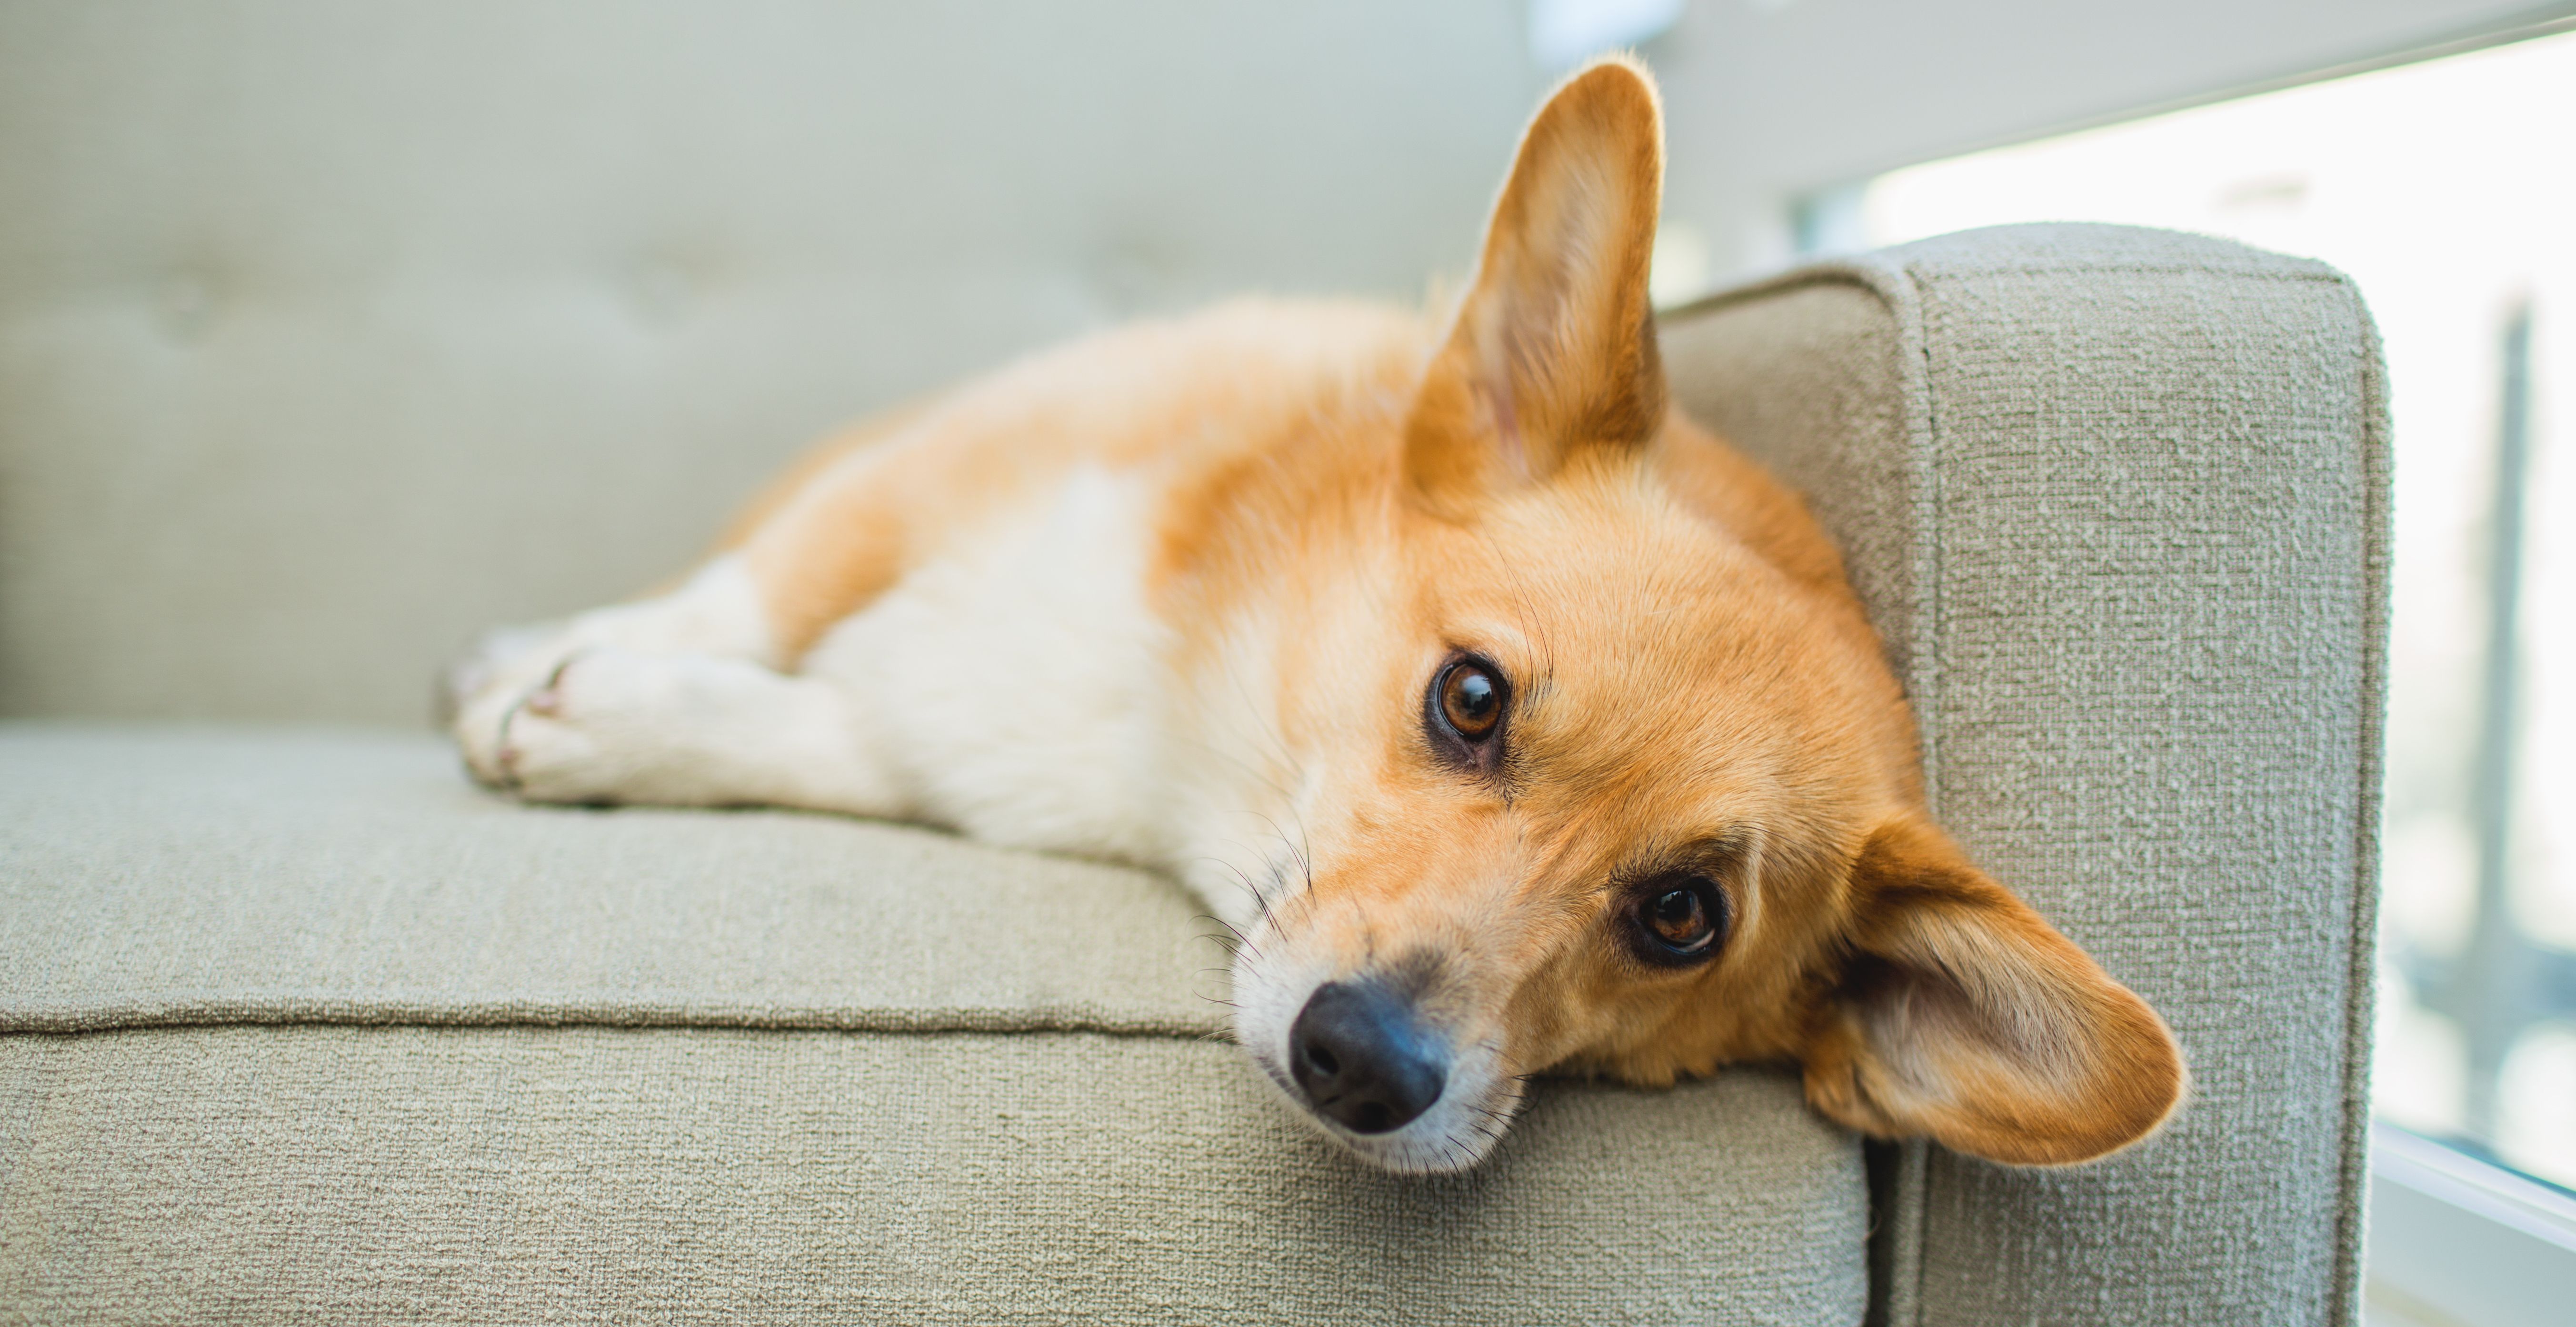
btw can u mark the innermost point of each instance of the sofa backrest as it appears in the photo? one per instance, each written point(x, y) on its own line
point(331, 334)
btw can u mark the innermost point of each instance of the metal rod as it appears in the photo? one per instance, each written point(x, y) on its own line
point(2493, 998)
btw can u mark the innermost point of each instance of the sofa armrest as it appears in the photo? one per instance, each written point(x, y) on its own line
point(2117, 500)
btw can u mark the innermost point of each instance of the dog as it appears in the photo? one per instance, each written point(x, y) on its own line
point(1513, 722)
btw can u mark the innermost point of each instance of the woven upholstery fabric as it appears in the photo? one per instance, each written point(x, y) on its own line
point(297, 1026)
point(2118, 499)
point(405, 1174)
point(159, 877)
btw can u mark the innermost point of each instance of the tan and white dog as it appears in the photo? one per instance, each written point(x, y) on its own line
point(1569, 744)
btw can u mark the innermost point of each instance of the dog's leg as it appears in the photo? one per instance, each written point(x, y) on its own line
point(618, 725)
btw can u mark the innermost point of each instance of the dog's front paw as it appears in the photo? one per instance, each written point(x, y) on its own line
point(493, 661)
point(541, 749)
point(606, 725)
point(480, 693)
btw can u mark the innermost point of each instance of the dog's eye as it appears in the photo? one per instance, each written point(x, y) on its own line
point(1682, 918)
point(1471, 701)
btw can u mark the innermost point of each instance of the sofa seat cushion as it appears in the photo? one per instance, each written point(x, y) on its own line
point(190, 876)
point(298, 1024)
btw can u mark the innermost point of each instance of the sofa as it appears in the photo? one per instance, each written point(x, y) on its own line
point(298, 1025)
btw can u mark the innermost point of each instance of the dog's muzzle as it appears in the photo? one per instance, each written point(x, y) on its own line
point(1363, 1059)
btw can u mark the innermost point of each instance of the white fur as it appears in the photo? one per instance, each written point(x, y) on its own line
point(1013, 686)
point(1016, 683)
point(1238, 794)
point(691, 730)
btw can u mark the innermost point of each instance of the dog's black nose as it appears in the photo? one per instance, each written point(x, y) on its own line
point(1358, 1054)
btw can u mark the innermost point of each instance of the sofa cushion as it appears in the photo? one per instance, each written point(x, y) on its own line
point(299, 1025)
point(192, 876)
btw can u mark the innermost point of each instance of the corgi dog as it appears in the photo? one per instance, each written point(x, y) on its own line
point(1513, 722)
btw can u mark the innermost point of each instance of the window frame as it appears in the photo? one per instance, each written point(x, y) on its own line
point(2456, 1239)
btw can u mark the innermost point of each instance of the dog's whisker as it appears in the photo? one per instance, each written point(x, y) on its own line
point(1295, 849)
point(1241, 941)
point(1245, 882)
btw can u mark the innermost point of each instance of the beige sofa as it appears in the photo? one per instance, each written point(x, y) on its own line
point(296, 1025)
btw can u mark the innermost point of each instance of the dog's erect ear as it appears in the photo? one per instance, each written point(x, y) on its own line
point(1554, 348)
point(1963, 1015)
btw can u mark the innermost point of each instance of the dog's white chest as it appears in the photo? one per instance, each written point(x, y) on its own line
point(1013, 683)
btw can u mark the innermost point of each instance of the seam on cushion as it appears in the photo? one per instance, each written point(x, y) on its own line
point(1914, 351)
point(2317, 274)
point(179, 1011)
point(1896, 284)
point(1900, 1303)
point(2361, 990)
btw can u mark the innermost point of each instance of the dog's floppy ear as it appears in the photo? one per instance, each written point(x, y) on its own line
point(1963, 1015)
point(1554, 347)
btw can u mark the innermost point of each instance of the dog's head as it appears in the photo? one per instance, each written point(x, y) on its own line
point(1608, 773)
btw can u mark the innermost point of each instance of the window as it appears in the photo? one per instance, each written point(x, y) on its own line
point(2444, 188)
